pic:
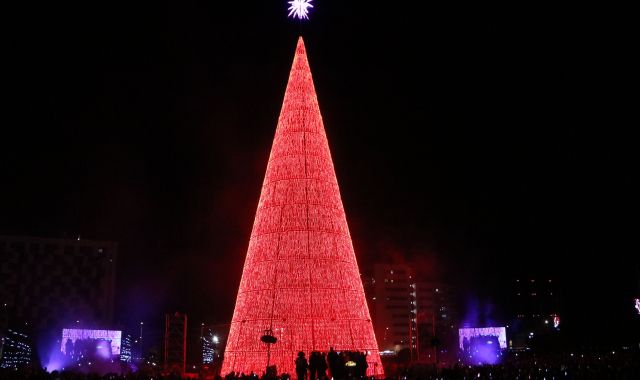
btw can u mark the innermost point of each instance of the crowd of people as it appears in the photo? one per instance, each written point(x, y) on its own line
point(618, 365)
point(343, 364)
point(319, 366)
point(612, 365)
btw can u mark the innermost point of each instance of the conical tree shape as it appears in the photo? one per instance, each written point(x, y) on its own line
point(300, 278)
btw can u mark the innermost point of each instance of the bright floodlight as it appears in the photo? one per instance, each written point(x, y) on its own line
point(300, 9)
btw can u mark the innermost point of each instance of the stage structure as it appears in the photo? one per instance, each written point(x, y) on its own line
point(300, 282)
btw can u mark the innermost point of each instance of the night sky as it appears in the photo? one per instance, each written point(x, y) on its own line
point(486, 143)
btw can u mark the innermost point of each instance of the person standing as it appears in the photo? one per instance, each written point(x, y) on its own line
point(334, 363)
point(301, 366)
point(313, 365)
point(322, 367)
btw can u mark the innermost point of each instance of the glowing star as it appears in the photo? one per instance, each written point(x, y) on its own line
point(300, 9)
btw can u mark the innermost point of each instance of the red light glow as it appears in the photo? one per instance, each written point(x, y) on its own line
point(300, 277)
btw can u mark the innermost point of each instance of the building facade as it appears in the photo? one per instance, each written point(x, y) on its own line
point(394, 307)
point(409, 312)
point(536, 314)
point(126, 348)
point(15, 349)
point(50, 283)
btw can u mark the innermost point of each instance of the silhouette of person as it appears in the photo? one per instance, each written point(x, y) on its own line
point(362, 364)
point(322, 366)
point(313, 365)
point(68, 348)
point(334, 363)
point(301, 366)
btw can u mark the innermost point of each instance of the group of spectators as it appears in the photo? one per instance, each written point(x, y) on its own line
point(319, 366)
point(618, 365)
point(343, 364)
point(613, 365)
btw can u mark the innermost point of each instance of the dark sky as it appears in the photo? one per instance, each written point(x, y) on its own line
point(490, 142)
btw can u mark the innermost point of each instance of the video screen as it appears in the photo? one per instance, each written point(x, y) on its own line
point(72, 339)
point(467, 335)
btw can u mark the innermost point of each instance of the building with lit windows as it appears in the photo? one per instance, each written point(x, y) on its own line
point(209, 343)
point(51, 283)
point(409, 312)
point(535, 311)
point(15, 349)
point(126, 346)
point(393, 306)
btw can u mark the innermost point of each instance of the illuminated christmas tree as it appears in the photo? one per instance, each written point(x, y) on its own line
point(300, 280)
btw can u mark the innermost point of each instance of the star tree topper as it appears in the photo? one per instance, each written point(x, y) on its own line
point(300, 9)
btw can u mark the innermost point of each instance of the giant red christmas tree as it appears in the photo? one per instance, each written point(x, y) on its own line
point(300, 276)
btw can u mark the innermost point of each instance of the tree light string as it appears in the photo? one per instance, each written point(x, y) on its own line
point(300, 278)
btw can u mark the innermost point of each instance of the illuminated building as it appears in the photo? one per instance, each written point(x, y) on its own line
point(15, 350)
point(126, 346)
point(208, 348)
point(409, 312)
point(209, 342)
point(175, 342)
point(54, 282)
point(394, 306)
point(300, 282)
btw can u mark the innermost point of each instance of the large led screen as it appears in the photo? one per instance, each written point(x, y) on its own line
point(71, 337)
point(471, 333)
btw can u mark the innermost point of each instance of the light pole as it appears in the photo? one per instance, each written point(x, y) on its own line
point(140, 340)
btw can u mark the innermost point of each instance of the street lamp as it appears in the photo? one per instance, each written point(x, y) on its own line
point(140, 345)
